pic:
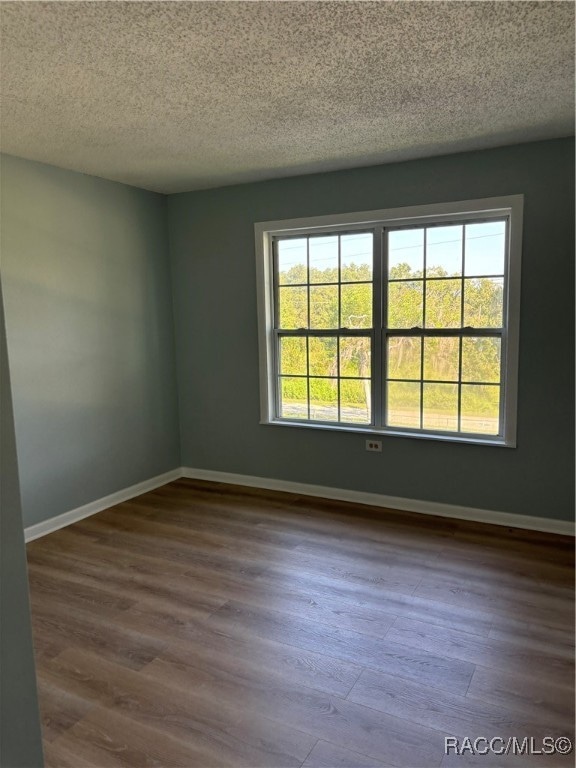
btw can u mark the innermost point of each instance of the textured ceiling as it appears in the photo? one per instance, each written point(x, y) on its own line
point(175, 96)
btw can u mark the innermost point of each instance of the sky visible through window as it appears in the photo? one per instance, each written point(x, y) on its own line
point(482, 258)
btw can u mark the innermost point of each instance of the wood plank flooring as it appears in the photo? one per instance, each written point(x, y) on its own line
point(205, 625)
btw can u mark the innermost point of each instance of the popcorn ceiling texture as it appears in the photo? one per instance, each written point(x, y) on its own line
point(175, 96)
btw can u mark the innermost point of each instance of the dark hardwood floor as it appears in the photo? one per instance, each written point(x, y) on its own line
point(208, 625)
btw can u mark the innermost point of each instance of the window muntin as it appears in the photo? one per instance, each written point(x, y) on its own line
point(439, 343)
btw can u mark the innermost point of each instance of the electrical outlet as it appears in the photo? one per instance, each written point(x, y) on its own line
point(374, 445)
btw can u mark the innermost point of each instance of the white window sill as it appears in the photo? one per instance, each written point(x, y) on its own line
point(444, 437)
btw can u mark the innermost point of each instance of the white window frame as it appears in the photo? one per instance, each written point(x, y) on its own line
point(510, 207)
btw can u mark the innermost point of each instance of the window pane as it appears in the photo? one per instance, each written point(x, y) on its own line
point(444, 251)
point(355, 403)
point(485, 248)
point(293, 356)
point(356, 309)
point(443, 308)
point(481, 359)
point(404, 357)
point(480, 408)
point(323, 360)
point(483, 302)
point(403, 404)
point(405, 304)
point(440, 407)
point(324, 399)
point(293, 307)
point(324, 259)
point(324, 306)
point(292, 264)
point(293, 398)
point(405, 253)
point(356, 257)
point(355, 356)
point(441, 359)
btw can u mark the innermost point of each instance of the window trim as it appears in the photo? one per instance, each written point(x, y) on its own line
point(510, 206)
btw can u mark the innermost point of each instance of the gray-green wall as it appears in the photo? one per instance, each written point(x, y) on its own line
point(214, 280)
point(91, 339)
point(20, 736)
point(90, 335)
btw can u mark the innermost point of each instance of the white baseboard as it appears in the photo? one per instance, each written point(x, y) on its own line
point(67, 518)
point(506, 519)
point(491, 517)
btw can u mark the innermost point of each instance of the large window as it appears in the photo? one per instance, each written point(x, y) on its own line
point(400, 322)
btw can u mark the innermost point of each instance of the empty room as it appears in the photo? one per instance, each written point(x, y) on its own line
point(287, 384)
